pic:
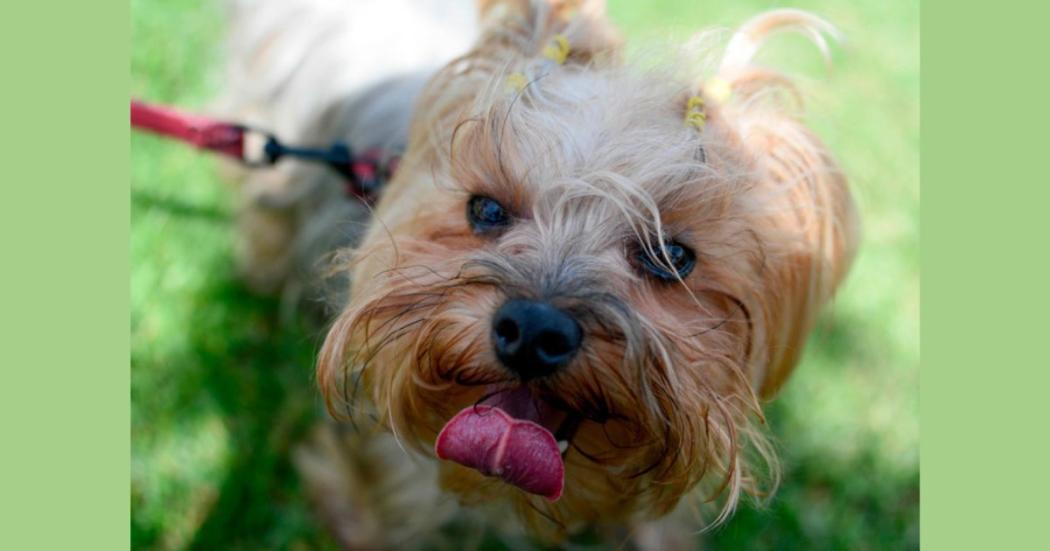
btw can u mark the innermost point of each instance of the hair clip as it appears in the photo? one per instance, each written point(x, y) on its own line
point(558, 49)
point(516, 82)
point(696, 112)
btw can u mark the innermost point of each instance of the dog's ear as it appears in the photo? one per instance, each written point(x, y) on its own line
point(560, 9)
point(527, 26)
point(802, 210)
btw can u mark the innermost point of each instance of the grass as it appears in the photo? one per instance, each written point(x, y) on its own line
point(222, 388)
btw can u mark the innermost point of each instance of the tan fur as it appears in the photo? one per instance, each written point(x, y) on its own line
point(595, 163)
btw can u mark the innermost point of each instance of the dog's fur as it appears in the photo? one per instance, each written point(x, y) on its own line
point(595, 163)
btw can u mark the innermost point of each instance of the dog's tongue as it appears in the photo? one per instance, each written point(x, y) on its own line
point(515, 449)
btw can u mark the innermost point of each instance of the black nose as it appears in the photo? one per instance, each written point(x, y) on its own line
point(534, 339)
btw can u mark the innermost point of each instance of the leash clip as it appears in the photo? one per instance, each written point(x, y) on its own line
point(364, 174)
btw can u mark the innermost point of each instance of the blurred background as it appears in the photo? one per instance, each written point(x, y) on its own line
point(222, 387)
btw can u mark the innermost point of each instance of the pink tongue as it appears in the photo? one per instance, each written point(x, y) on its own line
point(519, 452)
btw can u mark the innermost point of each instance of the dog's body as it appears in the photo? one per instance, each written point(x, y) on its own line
point(314, 72)
point(675, 241)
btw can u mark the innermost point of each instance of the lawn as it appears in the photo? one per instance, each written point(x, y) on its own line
point(222, 384)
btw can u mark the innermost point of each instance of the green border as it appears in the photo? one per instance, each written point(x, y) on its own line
point(64, 412)
point(63, 230)
point(985, 192)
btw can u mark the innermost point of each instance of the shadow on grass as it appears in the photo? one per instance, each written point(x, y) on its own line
point(264, 395)
point(840, 495)
point(151, 201)
point(259, 374)
point(828, 503)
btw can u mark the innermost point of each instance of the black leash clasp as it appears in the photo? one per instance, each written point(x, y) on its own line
point(364, 174)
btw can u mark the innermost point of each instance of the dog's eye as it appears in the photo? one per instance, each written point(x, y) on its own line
point(486, 214)
point(682, 261)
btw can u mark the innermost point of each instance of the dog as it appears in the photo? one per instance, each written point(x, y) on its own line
point(567, 307)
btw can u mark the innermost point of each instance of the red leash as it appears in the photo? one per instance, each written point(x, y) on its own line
point(364, 174)
point(224, 138)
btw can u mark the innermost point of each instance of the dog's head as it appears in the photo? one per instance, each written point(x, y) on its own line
point(585, 276)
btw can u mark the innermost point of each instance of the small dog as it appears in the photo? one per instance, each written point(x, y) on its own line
point(574, 294)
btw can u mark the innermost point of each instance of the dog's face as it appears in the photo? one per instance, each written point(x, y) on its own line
point(579, 297)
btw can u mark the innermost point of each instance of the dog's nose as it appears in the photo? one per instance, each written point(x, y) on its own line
point(533, 338)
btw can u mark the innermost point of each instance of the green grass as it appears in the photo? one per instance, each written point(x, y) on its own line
point(222, 387)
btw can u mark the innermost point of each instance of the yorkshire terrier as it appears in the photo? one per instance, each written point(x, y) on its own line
point(569, 303)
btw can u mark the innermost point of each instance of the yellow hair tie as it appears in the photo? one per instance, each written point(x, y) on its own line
point(695, 112)
point(558, 49)
point(718, 89)
point(516, 82)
